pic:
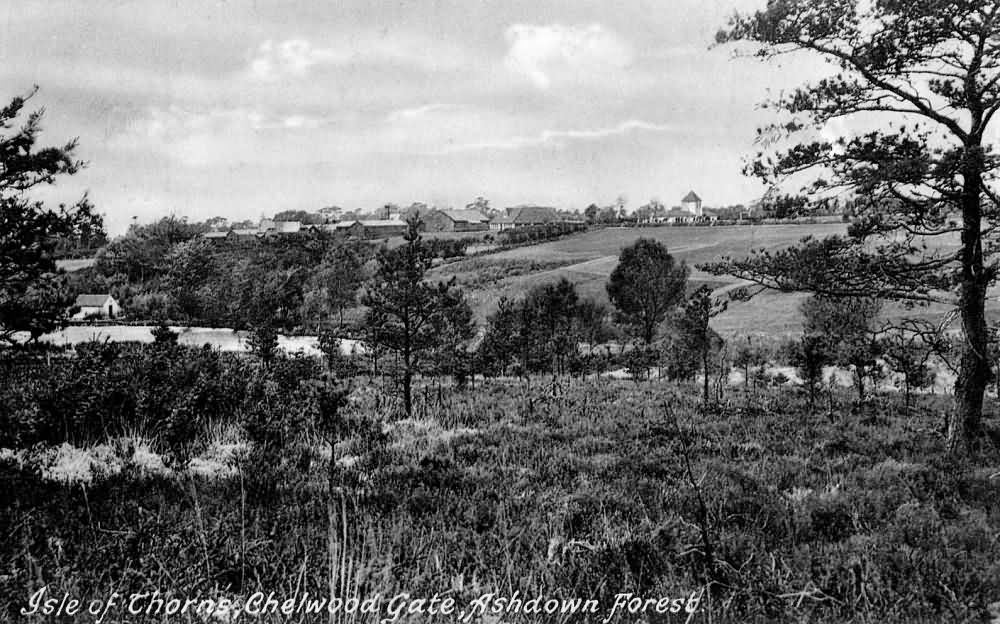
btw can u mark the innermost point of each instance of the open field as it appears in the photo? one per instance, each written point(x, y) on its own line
point(77, 264)
point(578, 488)
point(587, 260)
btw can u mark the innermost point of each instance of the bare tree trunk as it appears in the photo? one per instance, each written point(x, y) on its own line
point(704, 365)
point(407, 392)
point(964, 424)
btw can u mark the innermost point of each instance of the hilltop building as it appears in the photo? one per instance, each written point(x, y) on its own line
point(456, 221)
point(692, 203)
point(523, 216)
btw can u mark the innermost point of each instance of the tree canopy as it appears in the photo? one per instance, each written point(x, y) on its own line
point(410, 316)
point(33, 294)
point(646, 285)
point(920, 80)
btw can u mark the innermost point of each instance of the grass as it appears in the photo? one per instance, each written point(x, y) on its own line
point(587, 260)
point(555, 487)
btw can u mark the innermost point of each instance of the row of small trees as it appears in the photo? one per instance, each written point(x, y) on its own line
point(429, 327)
point(845, 332)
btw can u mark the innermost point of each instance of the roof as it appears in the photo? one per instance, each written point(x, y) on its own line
point(287, 227)
point(215, 234)
point(469, 216)
point(529, 214)
point(92, 301)
point(324, 227)
point(383, 223)
point(343, 225)
point(250, 232)
point(678, 212)
point(691, 197)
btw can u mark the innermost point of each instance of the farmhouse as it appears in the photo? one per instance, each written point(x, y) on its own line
point(677, 215)
point(347, 229)
point(269, 227)
point(456, 221)
point(383, 228)
point(691, 211)
point(96, 306)
point(523, 216)
point(242, 236)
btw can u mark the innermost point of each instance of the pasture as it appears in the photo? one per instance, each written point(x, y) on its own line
point(587, 259)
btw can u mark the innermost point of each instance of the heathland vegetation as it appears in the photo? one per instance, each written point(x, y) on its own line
point(551, 438)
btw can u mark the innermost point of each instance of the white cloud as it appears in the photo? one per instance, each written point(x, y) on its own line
point(216, 136)
point(561, 137)
point(554, 53)
point(417, 112)
point(294, 58)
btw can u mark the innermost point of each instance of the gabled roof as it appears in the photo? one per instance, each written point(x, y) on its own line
point(466, 216)
point(529, 214)
point(92, 301)
point(216, 234)
point(249, 232)
point(691, 197)
point(343, 225)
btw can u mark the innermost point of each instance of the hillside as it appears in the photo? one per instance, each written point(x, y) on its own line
point(587, 260)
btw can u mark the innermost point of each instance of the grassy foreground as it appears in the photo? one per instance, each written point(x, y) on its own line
point(576, 489)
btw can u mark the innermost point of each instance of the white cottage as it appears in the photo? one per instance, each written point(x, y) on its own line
point(96, 306)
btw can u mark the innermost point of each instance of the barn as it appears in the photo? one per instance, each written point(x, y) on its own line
point(524, 216)
point(383, 228)
point(456, 221)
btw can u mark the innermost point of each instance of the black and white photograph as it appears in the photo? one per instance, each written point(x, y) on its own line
point(499, 311)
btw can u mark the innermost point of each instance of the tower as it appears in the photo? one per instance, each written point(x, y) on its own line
point(692, 203)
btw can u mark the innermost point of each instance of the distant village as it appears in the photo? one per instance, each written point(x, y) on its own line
point(513, 225)
point(478, 216)
point(391, 221)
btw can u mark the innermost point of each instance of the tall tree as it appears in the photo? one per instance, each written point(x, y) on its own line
point(33, 296)
point(645, 286)
point(187, 267)
point(928, 73)
point(694, 332)
point(542, 331)
point(408, 315)
point(340, 276)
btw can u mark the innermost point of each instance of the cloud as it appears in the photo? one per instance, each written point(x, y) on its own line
point(199, 138)
point(405, 114)
point(561, 137)
point(295, 58)
point(554, 53)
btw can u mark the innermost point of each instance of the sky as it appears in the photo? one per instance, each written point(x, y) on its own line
point(233, 108)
